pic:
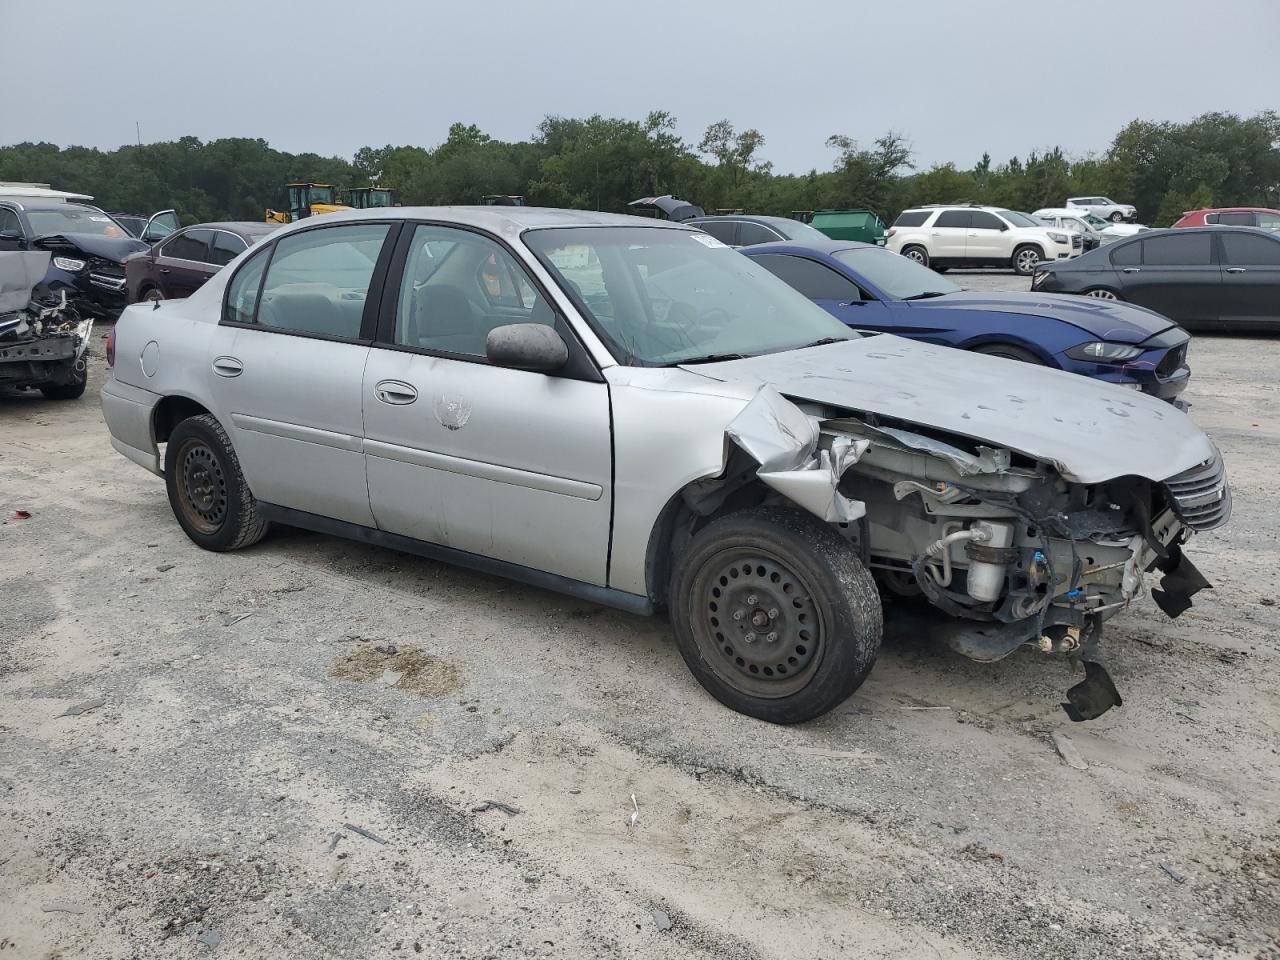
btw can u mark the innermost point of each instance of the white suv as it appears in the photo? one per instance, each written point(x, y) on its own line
point(941, 236)
point(1104, 208)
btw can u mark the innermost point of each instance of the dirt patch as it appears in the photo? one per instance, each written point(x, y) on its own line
point(405, 668)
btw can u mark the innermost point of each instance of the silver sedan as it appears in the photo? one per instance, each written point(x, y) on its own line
point(630, 412)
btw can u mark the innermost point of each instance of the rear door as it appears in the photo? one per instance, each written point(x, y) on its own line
point(1250, 278)
point(287, 365)
point(508, 464)
point(948, 237)
point(1179, 276)
point(182, 263)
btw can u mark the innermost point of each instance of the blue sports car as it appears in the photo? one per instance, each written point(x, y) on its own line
point(872, 289)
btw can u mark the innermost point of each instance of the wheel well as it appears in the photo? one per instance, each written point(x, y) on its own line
point(170, 412)
point(679, 521)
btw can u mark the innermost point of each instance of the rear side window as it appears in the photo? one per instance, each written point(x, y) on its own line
point(226, 247)
point(242, 291)
point(953, 218)
point(1250, 250)
point(725, 231)
point(911, 218)
point(1211, 218)
point(1235, 219)
point(1178, 249)
point(192, 245)
point(815, 281)
point(749, 233)
point(318, 280)
point(1127, 255)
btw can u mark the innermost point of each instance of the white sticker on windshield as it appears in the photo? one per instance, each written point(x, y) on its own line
point(707, 240)
point(574, 256)
point(100, 219)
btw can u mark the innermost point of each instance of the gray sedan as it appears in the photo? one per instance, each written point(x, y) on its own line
point(630, 412)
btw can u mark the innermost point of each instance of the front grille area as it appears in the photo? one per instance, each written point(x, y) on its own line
point(1077, 241)
point(1201, 496)
point(1172, 362)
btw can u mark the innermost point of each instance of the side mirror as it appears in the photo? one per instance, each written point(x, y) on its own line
point(526, 346)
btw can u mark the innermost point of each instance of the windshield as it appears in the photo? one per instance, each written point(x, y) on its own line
point(74, 220)
point(322, 195)
point(1020, 219)
point(894, 275)
point(795, 230)
point(1096, 222)
point(661, 296)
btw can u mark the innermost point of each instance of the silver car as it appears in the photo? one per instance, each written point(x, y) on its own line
point(630, 412)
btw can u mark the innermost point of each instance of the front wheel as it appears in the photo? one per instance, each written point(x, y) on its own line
point(152, 295)
point(1025, 260)
point(207, 490)
point(1009, 352)
point(775, 615)
point(1117, 217)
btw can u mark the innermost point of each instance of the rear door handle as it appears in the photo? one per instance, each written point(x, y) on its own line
point(1235, 269)
point(395, 392)
point(1132, 270)
point(228, 367)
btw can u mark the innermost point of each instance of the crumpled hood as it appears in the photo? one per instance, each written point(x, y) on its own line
point(1106, 320)
point(1091, 430)
point(109, 248)
point(20, 271)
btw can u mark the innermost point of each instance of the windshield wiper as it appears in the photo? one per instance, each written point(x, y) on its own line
point(706, 358)
point(823, 342)
point(927, 295)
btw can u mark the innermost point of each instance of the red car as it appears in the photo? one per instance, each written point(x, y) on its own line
point(1232, 217)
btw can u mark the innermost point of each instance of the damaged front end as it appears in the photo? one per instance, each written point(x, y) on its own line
point(43, 340)
point(1012, 548)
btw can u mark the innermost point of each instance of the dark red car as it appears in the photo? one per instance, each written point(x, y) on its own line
point(181, 262)
point(1232, 217)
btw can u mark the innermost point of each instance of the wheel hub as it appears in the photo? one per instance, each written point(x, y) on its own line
point(761, 619)
point(204, 487)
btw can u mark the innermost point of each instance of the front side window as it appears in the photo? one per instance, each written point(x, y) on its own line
point(458, 286)
point(318, 280)
point(751, 233)
point(1178, 249)
point(981, 220)
point(1018, 219)
point(1236, 219)
point(895, 275)
point(1250, 250)
point(9, 222)
point(226, 247)
point(953, 218)
point(1269, 221)
point(665, 296)
point(192, 245)
point(813, 279)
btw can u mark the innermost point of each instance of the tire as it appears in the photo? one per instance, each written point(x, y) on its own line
point(917, 253)
point(1025, 259)
point(1009, 352)
point(1102, 293)
point(1116, 217)
point(787, 575)
point(73, 389)
point(207, 490)
point(150, 295)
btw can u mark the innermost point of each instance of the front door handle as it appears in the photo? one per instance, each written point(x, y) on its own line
point(228, 367)
point(395, 392)
point(1235, 269)
point(164, 269)
point(1132, 269)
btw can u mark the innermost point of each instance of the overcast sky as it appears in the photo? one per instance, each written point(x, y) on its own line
point(956, 77)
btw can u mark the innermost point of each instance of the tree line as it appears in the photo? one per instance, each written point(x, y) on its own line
point(602, 163)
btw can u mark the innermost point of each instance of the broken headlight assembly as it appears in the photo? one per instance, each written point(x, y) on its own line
point(69, 264)
point(1103, 351)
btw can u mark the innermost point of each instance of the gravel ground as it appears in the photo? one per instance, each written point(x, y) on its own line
point(315, 748)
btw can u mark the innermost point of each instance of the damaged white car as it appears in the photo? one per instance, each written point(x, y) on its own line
point(629, 412)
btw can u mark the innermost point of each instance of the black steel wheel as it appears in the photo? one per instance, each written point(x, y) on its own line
point(207, 490)
point(775, 614)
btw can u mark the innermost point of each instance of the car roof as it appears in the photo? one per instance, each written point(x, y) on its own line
point(826, 247)
point(57, 207)
point(1059, 212)
point(1187, 213)
point(753, 218)
point(495, 219)
point(238, 226)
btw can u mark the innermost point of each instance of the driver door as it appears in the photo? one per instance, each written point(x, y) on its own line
point(160, 226)
point(507, 464)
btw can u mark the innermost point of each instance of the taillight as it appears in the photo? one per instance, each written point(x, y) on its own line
point(110, 338)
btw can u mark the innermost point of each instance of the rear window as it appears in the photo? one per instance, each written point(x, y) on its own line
point(911, 218)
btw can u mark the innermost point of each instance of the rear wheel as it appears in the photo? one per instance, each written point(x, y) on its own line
point(1025, 259)
point(775, 615)
point(1101, 293)
point(917, 253)
point(207, 490)
point(1009, 352)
